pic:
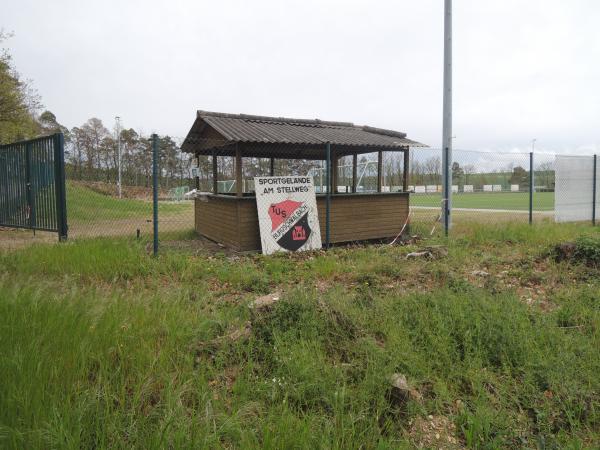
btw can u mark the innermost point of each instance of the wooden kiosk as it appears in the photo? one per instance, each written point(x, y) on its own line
point(231, 218)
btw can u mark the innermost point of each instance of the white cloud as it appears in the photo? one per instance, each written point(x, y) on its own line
point(522, 70)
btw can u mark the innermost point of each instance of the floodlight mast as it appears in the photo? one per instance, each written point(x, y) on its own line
point(447, 119)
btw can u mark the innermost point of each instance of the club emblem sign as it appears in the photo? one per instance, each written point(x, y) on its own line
point(287, 214)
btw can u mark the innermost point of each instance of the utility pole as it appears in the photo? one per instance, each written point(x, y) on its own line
point(447, 120)
point(118, 129)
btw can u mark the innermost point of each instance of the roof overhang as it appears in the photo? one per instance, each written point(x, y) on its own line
point(278, 137)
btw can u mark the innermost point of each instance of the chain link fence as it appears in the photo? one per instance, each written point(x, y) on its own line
point(504, 187)
point(487, 187)
point(98, 205)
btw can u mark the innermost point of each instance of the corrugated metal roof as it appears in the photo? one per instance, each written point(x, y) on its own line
point(280, 130)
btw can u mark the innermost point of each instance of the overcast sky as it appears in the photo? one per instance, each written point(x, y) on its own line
point(523, 69)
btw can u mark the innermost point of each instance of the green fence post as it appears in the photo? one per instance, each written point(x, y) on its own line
point(531, 179)
point(447, 187)
point(155, 191)
point(594, 187)
point(59, 186)
point(328, 197)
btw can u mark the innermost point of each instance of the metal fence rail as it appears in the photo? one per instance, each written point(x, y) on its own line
point(32, 185)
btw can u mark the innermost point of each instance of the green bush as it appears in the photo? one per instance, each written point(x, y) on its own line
point(587, 248)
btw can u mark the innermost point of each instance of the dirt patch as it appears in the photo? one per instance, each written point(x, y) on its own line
point(197, 246)
point(11, 239)
point(434, 432)
point(430, 252)
point(129, 226)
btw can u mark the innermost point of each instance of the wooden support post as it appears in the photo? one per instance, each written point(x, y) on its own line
point(406, 170)
point(328, 197)
point(239, 188)
point(354, 174)
point(197, 177)
point(215, 173)
point(379, 169)
point(334, 173)
point(272, 167)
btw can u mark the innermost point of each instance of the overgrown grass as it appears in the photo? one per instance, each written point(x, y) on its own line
point(104, 346)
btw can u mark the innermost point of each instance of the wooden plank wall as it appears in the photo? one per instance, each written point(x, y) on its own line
point(364, 216)
point(234, 222)
point(249, 230)
point(217, 219)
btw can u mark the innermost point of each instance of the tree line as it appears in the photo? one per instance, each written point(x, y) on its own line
point(91, 149)
point(92, 153)
point(19, 102)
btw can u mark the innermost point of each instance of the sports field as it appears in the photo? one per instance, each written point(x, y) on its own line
point(91, 214)
point(517, 201)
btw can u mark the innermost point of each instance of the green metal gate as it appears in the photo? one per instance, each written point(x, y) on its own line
point(32, 185)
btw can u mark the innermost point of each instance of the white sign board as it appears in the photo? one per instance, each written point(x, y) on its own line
point(287, 214)
point(468, 188)
point(514, 188)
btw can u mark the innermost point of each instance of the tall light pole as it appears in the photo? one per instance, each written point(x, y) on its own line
point(447, 120)
point(118, 129)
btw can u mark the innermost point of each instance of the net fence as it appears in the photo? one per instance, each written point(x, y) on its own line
point(487, 187)
point(105, 201)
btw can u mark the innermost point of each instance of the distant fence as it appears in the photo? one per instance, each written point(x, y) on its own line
point(505, 186)
point(486, 186)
